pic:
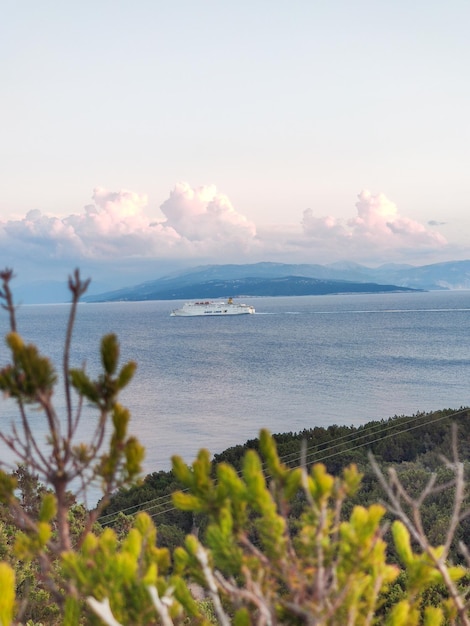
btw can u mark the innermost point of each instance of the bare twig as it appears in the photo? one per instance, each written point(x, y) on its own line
point(203, 559)
point(395, 491)
point(5, 294)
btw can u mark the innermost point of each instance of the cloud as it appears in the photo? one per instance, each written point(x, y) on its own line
point(200, 225)
point(116, 225)
point(203, 214)
point(53, 236)
point(377, 229)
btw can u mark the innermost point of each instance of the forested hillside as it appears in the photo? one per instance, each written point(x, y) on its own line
point(415, 445)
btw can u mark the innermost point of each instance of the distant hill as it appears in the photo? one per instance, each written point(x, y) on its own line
point(275, 279)
point(115, 286)
point(196, 285)
point(449, 275)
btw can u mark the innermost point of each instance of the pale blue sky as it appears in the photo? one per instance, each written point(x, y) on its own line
point(275, 115)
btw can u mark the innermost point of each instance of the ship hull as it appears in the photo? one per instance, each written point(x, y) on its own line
point(212, 309)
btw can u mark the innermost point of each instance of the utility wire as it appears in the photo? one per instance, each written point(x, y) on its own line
point(294, 457)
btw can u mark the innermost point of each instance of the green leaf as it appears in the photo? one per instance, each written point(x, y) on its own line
point(134, 456)
point(187, 502)
point(433, 616)
point(48, 508)
point(71, 612)
point(322, 485)
point(399, 615)
point(181, 470)
point(242, 618)
point(126, 374)
point(121, 417)
point(268, 450)
point(109, 353)
point(401, 537)
point(7, 594)
point(254, 477)
point(352, 479)
point(292, 483)
point(8, 485)
point(83, 385)
point(44, 532)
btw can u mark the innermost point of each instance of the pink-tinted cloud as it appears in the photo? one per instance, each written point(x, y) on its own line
point(198, 223)
point(36, 230)
point(323, 227)
point(377, 228)
point(204, 214)
point(201, 225)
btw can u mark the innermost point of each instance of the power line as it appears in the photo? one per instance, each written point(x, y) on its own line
point(325, 453)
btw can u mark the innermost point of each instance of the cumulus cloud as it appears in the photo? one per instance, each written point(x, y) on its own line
point(36, 230)
point(115, 224)
point(377, 228)
point(200, 225)
point(201, 214)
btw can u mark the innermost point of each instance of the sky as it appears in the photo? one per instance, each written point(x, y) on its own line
point(140, 137)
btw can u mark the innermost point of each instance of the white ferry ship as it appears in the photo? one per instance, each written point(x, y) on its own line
point(191, 309)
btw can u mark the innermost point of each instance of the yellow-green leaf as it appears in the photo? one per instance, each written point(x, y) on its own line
point(7, 594)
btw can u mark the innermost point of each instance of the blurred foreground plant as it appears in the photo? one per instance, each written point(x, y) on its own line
point(64, 465)
point(264, 568)
point(260, 567)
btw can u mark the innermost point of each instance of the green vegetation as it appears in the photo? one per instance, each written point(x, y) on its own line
point(414, 446)
point(326, 527)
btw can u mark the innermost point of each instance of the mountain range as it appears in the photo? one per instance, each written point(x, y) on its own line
point(276, 279)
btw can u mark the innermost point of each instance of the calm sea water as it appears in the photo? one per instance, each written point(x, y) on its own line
point(299, 362)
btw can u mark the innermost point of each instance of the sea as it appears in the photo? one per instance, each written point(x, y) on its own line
point(299, 362)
